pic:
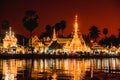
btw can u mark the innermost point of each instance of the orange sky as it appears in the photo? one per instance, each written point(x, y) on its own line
point(102, 13)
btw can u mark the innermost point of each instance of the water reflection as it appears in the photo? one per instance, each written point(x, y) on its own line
point(57, 69)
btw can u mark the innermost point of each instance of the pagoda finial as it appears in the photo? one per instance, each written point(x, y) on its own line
point(10, 31)
point(54, 35)
point(76, 26)
point(76, 23)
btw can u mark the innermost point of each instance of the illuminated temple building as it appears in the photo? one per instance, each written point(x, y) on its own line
point(54, 43)
point(10, 40)
point(37, 44)
point(77, 43)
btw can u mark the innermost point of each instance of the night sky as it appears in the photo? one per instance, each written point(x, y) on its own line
point(101, 13)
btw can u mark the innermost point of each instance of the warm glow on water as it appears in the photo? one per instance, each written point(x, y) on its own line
point(62, 69)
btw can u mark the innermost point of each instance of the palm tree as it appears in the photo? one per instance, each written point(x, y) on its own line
point(4, 26)
point(105, 31)
point(94, 33)
point(49, 30)
point(86, 39)
point(119, 33)
point(57, 27)
point(30, 21)
point(63, 26)
point(113, 40)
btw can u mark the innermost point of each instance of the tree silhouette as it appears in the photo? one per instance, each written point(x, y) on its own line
point(119, 33)
point(57, 27)
point(94, 33)
point(21, 40)
point(49, 30)
point(30, 21)
point(86, 39)
point(5, 25)
point(105, 42)
point(105, 31)
point(44, 34)
point(63, 26)
point(113, 40)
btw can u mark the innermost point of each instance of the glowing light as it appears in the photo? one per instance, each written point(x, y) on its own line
point(9, 40)
point(77, 43)
point(9, 77)
point(54, 76)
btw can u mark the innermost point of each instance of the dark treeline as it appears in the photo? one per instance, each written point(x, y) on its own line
point(31, 21)
point(59, 27)
point(110, 41)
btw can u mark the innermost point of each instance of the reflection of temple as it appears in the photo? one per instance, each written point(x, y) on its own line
point(60, 69)
point(63, 69)
point(10, 40)
point(77, 43)
point(9, 70)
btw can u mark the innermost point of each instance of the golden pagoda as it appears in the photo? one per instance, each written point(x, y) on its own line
point(10, 40)
point(77, 43)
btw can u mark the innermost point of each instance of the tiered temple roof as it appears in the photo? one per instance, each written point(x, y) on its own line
point(77, 43)
point(10, 40)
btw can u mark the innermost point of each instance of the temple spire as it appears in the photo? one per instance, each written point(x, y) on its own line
point(77, 43)
point(10, 40)
point(76, 26)
point(54, 35)
point(76, 23)
point(10, 31)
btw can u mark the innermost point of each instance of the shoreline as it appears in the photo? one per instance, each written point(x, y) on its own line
point(48, 56)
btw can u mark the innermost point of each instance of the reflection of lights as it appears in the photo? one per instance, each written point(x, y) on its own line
point(98, 64)
point(66, 64)
point(9, 76)
point(66, 67)
point(54, 76)
point(9, 69)
point(113, 63)
point(56, 63)
point(35, 65)
point(41, 65)
point(50, 63)
point(107, 65)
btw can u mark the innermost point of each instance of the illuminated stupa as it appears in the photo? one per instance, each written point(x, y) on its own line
point(77, 43)
point(10, 40)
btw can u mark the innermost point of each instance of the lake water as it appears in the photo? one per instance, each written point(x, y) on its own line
point(60, 69)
